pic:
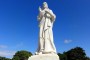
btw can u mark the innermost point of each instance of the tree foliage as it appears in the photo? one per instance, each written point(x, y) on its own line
point(62, 56)
point(22, 55)
point(4, 58)
point(76, 54)
point(87, 58)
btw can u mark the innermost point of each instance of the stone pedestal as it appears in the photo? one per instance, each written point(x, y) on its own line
point(44, 57)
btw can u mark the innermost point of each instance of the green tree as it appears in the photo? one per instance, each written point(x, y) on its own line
point(76, 54)
point(87, 58)
point(62, 56)
point(22, 55)
point(4, 58)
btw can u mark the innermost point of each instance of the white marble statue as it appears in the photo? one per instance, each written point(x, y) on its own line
point(46, 48)
point(46, 18)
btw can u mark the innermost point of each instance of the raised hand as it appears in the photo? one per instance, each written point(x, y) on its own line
point(40, 8)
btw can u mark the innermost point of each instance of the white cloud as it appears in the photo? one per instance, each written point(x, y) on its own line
point(3, 46)
point(67, 41)
point(7, 53)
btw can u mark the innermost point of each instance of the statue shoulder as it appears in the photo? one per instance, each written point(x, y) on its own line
point(50, 11)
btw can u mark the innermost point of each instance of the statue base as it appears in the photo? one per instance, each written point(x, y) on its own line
point(44, 57)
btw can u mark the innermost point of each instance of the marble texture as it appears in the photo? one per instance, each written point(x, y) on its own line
point(46, 48)
point(44, 57)
point(46, 19)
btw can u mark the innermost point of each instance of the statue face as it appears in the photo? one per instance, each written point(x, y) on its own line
point(45, 5)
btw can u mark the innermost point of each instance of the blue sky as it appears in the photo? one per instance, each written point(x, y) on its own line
point(19, 25)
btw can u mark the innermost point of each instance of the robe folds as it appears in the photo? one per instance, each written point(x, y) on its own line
point(46, 43)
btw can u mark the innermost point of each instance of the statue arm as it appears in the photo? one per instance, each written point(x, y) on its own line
point(53, 16)
point(39, 17)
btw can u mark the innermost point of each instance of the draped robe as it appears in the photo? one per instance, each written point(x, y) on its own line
point(46, 43)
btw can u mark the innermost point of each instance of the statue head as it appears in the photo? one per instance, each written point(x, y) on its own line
point(45, 5)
